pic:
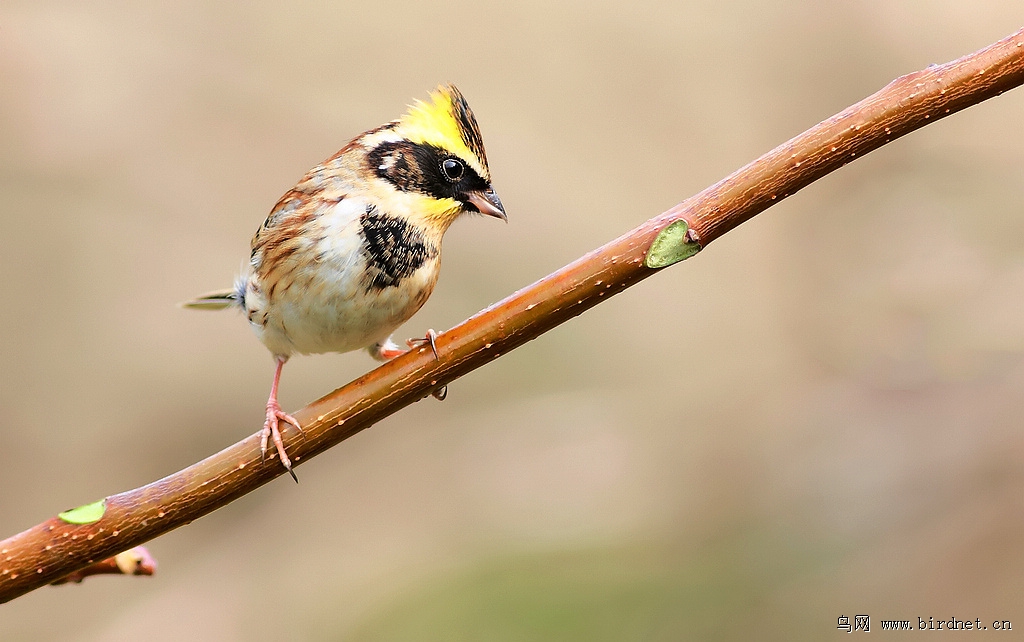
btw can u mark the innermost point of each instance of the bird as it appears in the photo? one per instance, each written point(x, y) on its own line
point(353, 250)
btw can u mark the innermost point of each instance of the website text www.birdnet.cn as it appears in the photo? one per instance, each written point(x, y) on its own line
point(863, 624)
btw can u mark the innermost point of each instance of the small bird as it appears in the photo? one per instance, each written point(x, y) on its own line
point(354, 249)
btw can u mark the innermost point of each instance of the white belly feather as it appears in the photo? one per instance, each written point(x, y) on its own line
point(329, 308)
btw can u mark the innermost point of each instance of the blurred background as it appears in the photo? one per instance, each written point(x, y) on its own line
point(820, 415)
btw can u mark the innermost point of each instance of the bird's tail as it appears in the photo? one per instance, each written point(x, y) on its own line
point(215, 300)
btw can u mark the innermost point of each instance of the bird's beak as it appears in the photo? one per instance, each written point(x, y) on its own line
point(487, 202)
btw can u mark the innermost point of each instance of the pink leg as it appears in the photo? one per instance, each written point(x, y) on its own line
point(385, 350)
point(274, 416)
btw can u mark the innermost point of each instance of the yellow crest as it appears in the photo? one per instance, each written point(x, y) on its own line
point(448, 123)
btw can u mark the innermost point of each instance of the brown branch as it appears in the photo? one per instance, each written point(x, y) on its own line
point(57, 548)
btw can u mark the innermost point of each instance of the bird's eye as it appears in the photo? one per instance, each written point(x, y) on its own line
point(452, 169)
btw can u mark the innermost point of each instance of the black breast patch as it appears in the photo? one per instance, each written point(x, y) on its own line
point(393, 249)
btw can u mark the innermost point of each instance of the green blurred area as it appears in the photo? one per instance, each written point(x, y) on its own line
point(817, 416)
point(716, 590)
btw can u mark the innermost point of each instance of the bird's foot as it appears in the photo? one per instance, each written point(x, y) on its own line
point(430, 339)
point(439, 393)
point(387, 350)
point(271, 432)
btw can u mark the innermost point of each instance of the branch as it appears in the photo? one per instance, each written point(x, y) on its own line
point(62, 545)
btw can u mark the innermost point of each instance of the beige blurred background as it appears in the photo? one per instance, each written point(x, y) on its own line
point(818, 416)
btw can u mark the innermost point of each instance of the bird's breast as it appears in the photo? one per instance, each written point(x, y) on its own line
point(357, 276)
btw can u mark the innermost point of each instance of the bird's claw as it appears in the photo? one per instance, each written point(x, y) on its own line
point(431, 339)
point(271, 432)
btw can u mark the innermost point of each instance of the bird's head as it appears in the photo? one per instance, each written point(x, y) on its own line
point(434, 156)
